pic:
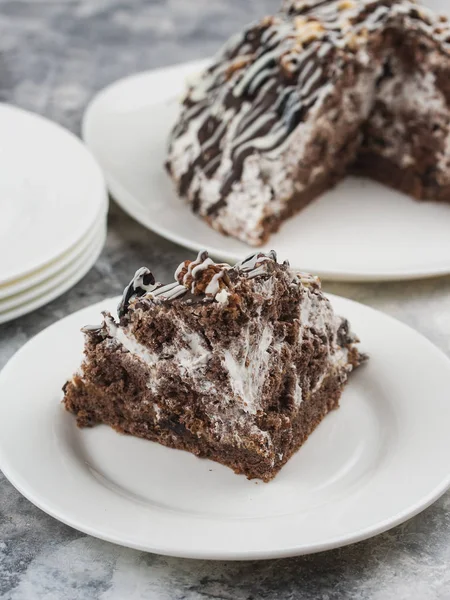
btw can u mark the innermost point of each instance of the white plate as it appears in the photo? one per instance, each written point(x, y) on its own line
point(54, 282)
point(51, 192)
point(359, 231)
point(55, 267)
point(64, 281)
point(378, 460)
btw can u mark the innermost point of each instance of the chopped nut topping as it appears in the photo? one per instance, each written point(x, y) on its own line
point(202, 276)
point(239, 63)
point(346, 4)
point(300, 22)
point(288, 61)
point(354, 40)
point(308, 31)
point(267, 21)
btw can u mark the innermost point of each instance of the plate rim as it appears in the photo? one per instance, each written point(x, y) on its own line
point(170, 550)
point(55, 267)
point(61, 276)
point(127, 202)
point(67, 284)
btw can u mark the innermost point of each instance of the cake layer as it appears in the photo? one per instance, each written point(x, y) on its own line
point(127, 406)
point(406, 140)
point(238, 364)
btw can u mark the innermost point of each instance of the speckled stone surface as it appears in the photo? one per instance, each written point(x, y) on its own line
point(53, 56)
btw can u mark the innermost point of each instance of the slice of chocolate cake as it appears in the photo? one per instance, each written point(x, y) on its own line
point(236, 364)
point(298, 100)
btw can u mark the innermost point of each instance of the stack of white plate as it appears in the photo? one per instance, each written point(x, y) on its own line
point(53, 207)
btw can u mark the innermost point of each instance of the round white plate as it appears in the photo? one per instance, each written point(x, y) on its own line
point(54, 282)
point(378, 460)
point(63, 282)
point(51, 192)
point(359, 231)
point(54, 268)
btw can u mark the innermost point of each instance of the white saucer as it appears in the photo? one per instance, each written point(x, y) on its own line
point(53, 287)
point(359, 231)
point(51, 193)
point(378, 460)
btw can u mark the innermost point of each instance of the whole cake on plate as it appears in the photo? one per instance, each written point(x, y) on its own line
point(237, 364)
point(295, 102)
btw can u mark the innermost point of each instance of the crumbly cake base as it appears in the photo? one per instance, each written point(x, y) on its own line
point(409, 180)
point(406, 139)
point(115, 405)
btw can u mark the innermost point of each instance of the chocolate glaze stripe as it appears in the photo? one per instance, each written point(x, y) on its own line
point(260, 64)
point(175, 291)
point(215, 138)
point(254, 77)
point(142, 282)
point(261, 78)
point(308, 85)
point(140, 285)
point(265, 125)
point(164, 289)
point(258, 271)
point(273, 130)
point(252, 260)
point(265, 140)
point(249, 132)
point(258, 107)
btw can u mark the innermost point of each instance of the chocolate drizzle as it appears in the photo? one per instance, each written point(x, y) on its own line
point(253, 261)
point(198, 280)
point(142, 282)
point(92, 329)
point(266, 81)
point(276, 108)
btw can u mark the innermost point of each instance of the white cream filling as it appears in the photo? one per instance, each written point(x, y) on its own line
point(247, 375)
point(196, 355)
point(130, 343)
point(222, 296)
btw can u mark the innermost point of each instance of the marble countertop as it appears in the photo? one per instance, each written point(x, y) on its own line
point(53, 57)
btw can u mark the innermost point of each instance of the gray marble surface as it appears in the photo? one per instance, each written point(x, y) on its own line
point(53, 56)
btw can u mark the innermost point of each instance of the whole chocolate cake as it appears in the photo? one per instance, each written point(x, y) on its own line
point(237, 364)
point(298, 100)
